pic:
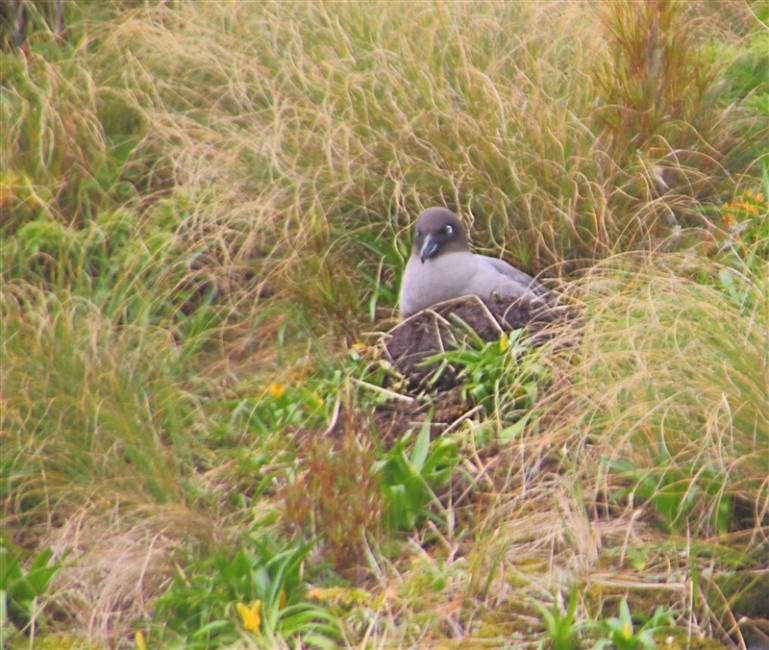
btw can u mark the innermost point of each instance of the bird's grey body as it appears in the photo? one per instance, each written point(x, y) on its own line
point(441, 267)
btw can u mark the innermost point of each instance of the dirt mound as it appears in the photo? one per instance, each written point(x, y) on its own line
point(449, 324)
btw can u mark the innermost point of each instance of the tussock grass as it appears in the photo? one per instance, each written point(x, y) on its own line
point(661, 422)
point(490, 109)
point(98, 438)
point(200, 200)
point(674, 375)
point(68, 135)
point(90, 410)
point(298, 135)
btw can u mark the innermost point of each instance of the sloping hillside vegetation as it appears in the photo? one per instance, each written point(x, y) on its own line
point(206, 212)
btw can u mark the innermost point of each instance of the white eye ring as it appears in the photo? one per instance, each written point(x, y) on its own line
point(448, 229)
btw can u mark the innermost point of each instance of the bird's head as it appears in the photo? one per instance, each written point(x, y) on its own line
point(438, 230)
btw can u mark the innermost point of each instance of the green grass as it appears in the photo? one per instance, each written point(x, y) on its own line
point(205, 215)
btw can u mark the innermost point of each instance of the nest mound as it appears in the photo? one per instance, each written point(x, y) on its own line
point(448, 324)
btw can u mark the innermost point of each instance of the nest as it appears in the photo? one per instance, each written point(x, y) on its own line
point(448, 325)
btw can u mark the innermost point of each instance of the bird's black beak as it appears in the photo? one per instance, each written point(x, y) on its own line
point(429, 248)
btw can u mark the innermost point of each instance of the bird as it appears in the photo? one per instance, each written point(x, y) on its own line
point(442, 267)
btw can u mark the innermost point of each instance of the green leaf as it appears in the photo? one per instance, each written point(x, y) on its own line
point(421, 447)
point(514, 430)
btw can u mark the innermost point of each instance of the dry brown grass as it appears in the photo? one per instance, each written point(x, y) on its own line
point(275, 154)
point(671, 375)
point(115, 565)
point(292, 150)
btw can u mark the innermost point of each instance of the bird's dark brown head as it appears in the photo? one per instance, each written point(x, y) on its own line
point(438, 230)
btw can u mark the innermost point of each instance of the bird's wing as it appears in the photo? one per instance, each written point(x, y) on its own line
point(518, 276)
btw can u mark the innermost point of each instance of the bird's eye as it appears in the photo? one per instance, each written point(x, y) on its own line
point(447, 229)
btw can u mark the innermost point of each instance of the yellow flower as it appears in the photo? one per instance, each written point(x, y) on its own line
point(357, 351)
point(141, 644)
point(746, 207)
point(728, 219)
point(627, 630)
point(504, 342)
point(276, 390)
point(250, 615)
point(760, 197)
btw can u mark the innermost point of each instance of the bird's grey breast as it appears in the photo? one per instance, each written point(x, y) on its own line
point(441, 278)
